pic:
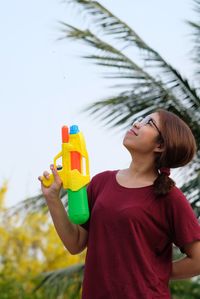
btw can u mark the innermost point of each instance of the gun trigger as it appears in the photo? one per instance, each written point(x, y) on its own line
point(59, 167)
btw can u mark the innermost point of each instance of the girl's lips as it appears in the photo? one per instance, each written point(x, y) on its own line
point(132, 132)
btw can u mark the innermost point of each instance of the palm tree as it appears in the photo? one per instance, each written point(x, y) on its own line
point(145, 85)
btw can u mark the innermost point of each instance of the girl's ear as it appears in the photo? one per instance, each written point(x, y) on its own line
point(159, 148)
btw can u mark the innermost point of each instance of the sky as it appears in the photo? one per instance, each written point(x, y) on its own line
point(44, 84)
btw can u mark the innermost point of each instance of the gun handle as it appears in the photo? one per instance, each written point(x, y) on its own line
point(48, 182)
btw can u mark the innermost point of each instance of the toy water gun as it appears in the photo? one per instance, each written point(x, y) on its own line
point(74, 173)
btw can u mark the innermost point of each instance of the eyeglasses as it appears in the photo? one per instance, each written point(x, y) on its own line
point(147, 120)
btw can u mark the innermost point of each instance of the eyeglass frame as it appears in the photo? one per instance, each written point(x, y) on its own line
point(149, 119)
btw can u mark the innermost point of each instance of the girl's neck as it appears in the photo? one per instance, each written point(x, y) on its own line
point(142, 170)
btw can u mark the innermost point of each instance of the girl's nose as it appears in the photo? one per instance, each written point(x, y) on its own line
point(136, 125)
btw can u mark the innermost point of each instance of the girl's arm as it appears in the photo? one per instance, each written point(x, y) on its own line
point(73, 236)
point(188, 266)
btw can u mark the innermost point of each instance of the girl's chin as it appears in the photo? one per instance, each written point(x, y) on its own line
point(128, 144)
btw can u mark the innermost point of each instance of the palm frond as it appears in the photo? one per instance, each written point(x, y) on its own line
point(196, 39)
point(63, 282)
point(32, 204)
point(124, 108)
point(114, 58)
point(111, 25)
point(191, 184)
point(126, 68)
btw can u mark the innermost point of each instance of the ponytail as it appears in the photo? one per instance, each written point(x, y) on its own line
point(163, 183)
point(179, 149)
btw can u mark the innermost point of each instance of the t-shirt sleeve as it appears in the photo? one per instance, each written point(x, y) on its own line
point(185, 225)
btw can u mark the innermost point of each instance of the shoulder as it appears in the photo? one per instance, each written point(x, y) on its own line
point(175, 195)
point(99, 181)
point(104, 174)
point(102, 177)
point(176, 199)
point(184, 224)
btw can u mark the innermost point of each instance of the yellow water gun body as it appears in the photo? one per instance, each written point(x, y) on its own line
point(74, 173)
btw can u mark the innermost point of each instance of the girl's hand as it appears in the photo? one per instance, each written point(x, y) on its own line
point(52, 192)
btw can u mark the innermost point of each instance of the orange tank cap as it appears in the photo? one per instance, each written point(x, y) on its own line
point(65, 134)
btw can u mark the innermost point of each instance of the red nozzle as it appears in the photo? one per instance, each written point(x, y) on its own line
point(65, 134)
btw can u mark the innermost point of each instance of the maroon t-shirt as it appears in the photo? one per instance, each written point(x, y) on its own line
point(129, 253)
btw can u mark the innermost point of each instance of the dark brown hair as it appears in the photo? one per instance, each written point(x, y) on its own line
point(179, 148)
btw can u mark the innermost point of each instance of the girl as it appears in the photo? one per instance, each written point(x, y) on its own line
point(136, 215)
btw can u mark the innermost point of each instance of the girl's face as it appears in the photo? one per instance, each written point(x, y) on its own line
point(143, 136)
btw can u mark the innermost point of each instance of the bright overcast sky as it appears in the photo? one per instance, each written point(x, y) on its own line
point(44, 83)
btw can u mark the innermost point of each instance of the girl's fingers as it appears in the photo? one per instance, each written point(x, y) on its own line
point(55, 174)
point(46, 174)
